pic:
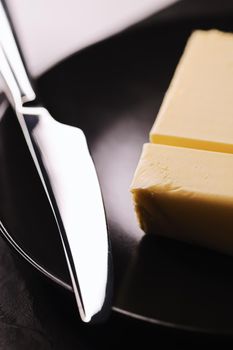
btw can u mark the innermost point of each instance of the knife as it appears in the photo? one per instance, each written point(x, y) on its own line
point(68, 176)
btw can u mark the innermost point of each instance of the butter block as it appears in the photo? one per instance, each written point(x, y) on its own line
point(197, 110)
point(186, 194)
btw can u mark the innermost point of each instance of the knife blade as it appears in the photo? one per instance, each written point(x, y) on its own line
point(67, 173)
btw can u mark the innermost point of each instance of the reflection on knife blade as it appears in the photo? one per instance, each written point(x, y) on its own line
point(68, 175)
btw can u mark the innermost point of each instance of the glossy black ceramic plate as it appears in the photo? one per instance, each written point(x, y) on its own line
point(113, 91)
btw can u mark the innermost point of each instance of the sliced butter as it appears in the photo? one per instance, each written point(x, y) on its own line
point(186, 194)
point(197, 110)
point(183, 185)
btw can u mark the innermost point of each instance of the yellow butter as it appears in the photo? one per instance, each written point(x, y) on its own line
point(185, 194)
point(183, 185)
point(197, 110)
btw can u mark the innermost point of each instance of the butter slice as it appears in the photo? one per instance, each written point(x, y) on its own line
point(183, 185)
point(197, 110)
point(186, 194)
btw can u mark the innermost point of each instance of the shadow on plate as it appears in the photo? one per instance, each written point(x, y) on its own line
point(174, 280)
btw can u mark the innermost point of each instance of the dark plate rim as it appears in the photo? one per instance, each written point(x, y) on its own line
point(58, 282)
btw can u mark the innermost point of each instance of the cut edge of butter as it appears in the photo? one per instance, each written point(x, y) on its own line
point(191, 143)
point(189, 203)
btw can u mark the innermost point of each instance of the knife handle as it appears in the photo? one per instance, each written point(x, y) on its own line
point(15, 62)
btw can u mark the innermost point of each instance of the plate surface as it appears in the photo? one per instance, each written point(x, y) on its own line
point(113, 91)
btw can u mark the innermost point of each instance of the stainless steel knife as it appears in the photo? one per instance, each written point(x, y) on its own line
point(67, 173)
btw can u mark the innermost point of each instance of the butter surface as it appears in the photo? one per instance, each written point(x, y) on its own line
point(183, 185)
point(197, 110)
point(186, 194)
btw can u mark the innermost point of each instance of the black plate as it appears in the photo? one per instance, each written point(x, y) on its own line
point(113, 91)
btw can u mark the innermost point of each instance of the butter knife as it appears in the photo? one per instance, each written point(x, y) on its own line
point(68, 176)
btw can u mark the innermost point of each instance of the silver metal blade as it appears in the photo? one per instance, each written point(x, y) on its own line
point(67, 173)
point(69, 178)
point(66, 170)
